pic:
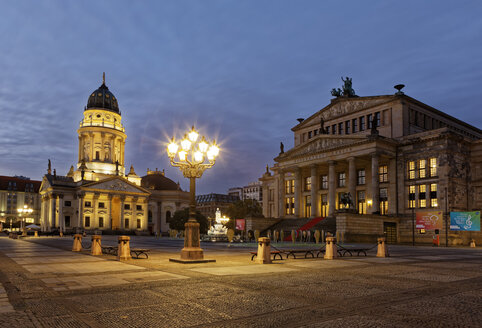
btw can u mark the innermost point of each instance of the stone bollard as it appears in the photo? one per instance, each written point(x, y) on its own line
point(382, 248)
point(264, 251)
point(330, 250)
point(472, 243)
point(77, 247)
point(35, 234)
point(230, 235)
point(124, 249)
point(96, 248)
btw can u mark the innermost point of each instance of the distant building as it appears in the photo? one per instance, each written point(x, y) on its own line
point(15, 193)
point(254, 191)
point(207, 204)
point(236, 191)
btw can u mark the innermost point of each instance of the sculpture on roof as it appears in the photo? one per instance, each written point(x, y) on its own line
point(281, 148)
point(322, 126)
point(49, 168)
point(347, 90)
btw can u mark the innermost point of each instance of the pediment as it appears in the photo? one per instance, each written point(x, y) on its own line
point(343, 107)
point(320, 144)
point(44, 185)
point(115, 184)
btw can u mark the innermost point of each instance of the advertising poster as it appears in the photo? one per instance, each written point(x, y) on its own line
point(430, 220)
point(465, 221)
point(240, 224)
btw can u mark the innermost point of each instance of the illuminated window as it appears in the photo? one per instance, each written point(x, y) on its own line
point(307, 206)
point(411, 170)
point(411, 196)
point(308, 184)
point(422, 196)
point(383, 173)
point(341, 179)
point(383, 201)
point(324, 205)
point(422, 165)
point(433, 166)
point(433, 195)
point(324, 182)
point(362, 207)
point(361, 177)
point(287, 186)
point(292, 187)
point(290, 205)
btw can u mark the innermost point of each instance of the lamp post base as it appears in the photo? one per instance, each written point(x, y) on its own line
point(192, 252)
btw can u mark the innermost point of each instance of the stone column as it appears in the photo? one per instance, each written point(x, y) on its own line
point(314, 191)
point(375, 185)
point(92, 153)
point(80, 216)
point(94, 224)
point(109, 220)
point(81, 149)
point(51, 212)
point(265, 200)
point(298, 186)
point(122, 223)
point(352, 178)
point(281, 195)
point(331, 188)
point(102, 151)
point(146, 213)
point(154, 216)
point(159, 218)
point(60, 207)
point(42, 213)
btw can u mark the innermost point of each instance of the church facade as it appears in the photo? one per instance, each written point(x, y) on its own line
point(97, 194)
point(381, 157)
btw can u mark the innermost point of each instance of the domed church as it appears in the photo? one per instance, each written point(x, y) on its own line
point(97, 194)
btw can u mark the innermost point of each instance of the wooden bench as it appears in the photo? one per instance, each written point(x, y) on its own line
point(342, 251)
point(140, 251)
point(307, 252)
point(112, 250)
point(274, 253)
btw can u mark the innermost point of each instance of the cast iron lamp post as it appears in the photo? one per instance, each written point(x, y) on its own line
point(193, 157)
point(24, 210)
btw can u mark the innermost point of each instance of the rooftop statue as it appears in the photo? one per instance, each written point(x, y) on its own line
point(347, 89)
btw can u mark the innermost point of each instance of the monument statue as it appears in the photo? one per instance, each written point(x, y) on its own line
point(374, 130)
point(347, 200)
point(347, 90)
point(49, 167)
point(281, 148)
point(322, 126)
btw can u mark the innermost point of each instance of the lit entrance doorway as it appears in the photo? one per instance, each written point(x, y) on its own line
point(390, 232)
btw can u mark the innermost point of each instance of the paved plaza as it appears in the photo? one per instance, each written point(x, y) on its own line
point(44, 284)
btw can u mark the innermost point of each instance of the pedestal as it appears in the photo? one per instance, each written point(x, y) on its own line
point(264, 251)
point(330, 251)
point(382, 248)
point(192, 252)
point(124, 249)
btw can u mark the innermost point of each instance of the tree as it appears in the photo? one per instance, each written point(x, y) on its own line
point(180, 218)
point(242, 209)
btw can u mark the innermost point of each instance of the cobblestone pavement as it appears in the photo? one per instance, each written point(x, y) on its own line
point(44, 284)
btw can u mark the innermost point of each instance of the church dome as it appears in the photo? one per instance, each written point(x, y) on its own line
point(103, 98)
point(157, 181)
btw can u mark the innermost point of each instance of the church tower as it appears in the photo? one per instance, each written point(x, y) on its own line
point(101, 137)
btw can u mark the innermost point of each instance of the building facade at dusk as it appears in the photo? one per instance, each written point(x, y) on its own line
point(414, 158)
point(97, 194)
point(17, 193)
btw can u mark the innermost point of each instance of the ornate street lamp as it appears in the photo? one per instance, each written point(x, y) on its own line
point(193, 156)
point(24, 210)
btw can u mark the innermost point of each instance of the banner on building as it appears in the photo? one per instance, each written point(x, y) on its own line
point(430, 220)
point(240, 224)
point(465, 221)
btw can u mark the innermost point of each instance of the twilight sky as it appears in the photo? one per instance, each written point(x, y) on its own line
point(241, 71)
